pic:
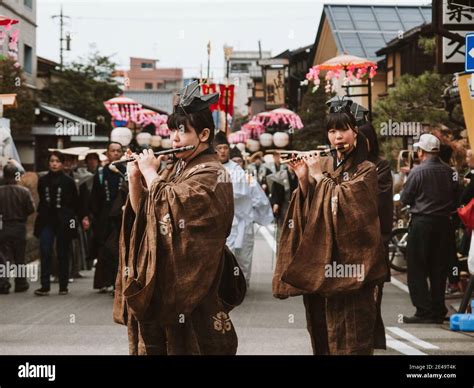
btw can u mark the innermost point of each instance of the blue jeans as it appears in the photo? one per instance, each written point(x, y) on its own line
point(47, 236)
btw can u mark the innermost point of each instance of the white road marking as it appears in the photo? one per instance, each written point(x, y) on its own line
point(268, 238)
point(392, 343)
point(402, 347)
point(399, 284)
point(410, 337)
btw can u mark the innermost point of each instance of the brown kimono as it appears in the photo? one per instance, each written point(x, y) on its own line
point(171, 258)
point(331, 252)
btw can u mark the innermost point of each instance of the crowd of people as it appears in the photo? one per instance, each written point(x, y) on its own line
point(77, 223)
point(173, 238)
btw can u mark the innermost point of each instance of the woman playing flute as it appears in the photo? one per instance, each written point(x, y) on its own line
point(330, 250)
point(175, 226)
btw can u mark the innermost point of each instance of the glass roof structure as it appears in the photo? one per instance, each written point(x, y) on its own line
point(362, 30)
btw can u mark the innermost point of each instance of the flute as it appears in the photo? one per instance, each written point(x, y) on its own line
point(165, 152)
point(325, 152)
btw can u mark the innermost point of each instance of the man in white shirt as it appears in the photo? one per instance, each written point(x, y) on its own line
point(250, 204)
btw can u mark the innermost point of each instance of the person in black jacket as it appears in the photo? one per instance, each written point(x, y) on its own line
point(385, 188)
point(385, 211)
point(56, 220)
point(16, 204)
point(108, 196)
point(468, 192)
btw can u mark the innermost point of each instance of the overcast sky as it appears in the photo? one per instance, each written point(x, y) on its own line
point(176, 32)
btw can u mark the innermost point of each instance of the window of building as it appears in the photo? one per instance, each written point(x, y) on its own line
point(146, 65)
point(390, 69)
point(28, 3)
point(28, 59)
point(239, 67)
point(148, 85)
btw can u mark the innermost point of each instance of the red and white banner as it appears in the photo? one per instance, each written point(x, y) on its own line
point(221, 104)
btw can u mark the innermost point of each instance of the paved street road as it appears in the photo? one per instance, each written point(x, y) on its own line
point(81, 322)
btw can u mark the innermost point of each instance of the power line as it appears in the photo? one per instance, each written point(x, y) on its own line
point(188, 20)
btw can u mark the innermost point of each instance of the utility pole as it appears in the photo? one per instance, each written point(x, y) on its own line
point(227, 53)
point(61, 17)
point(208, 62)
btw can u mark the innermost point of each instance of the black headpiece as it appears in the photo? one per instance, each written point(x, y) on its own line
point(235, 153)
point(190, 99)
point(345, 104)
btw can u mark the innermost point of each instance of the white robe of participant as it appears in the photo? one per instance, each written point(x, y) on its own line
point(262, 208)
point(250, 204)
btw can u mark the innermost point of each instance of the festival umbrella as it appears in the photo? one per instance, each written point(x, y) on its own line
point(345, 61)
point(239, 137)
point(279, 116)
point(254, 128)
point(7, 22)
point(145, 117)
point(122, 108)
point(353, 66)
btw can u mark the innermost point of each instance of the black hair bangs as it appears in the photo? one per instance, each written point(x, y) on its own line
point(340, 120)
point(177, 121)
point(59, 155)
point(198, 120)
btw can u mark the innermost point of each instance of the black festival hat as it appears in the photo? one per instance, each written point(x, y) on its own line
point(190, 99)
point(346, 104)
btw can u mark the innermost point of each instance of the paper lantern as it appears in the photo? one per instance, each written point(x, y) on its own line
point(241, 147)
point(143, 139)
point(155, 141)
point(253, 145)
point(166, 143)
point(266, 139)
point(281, 139)
point(122, 135)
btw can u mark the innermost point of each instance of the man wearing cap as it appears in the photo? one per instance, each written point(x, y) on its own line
point(430, 193)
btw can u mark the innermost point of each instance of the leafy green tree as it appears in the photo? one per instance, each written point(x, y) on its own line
point(313, 112)
point(82, 87)
point(415, 99)
point(13, 82)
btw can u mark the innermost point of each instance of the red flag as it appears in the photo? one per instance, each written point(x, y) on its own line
point(209, 89)
point(230, 98)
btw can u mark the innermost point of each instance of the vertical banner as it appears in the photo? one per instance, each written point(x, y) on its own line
point(457, 17)
point(230, 98)
point(209, 89)
point(274, 88)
